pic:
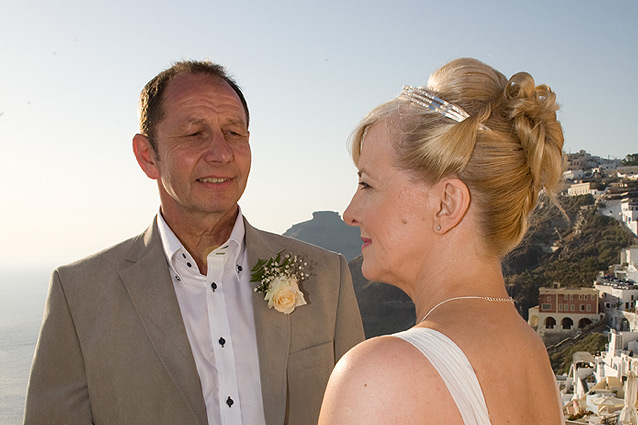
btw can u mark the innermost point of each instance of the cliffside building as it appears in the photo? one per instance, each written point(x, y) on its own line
point(629, 260)
point(578, 189)
point(562, 311)
point(629, 172)
point(619, 291)
point(581, 160)
point(629, 214)
point(618, 301)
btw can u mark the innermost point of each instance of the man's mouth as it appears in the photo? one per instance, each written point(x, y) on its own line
point(213, 180)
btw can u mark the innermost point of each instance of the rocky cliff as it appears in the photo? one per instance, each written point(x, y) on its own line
point(327, 230)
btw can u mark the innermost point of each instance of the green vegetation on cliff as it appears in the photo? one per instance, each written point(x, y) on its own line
point(592, 343)
point(631, 159)
point(570, 252)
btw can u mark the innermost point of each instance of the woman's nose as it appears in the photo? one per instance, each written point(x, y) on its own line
point(349, 214)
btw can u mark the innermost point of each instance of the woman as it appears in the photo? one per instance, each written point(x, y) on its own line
point(449, 175)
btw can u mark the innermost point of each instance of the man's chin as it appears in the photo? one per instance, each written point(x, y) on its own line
point(220, 210)
point(203, 211)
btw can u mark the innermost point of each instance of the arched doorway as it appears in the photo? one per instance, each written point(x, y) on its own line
point(583, 323)
point(567, 323)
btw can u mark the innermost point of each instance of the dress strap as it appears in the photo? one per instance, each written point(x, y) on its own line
point(455, 370)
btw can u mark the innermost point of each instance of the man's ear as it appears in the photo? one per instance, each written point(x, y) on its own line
point(145, 156)
point(453, 204)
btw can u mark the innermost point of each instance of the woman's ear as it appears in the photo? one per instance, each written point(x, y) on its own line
point(454, 201)
point(145, 156)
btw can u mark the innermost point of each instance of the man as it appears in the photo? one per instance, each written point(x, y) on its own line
point(166, 328)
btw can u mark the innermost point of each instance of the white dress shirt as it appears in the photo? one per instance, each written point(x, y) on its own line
point(218, 315)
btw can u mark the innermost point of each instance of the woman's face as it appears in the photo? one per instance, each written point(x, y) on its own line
point(394, 213)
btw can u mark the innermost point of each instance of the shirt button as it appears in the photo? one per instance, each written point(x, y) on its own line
point(230, 402)
point(214, 286)
point(239, 268)
point(189, 264)
point(222, 341)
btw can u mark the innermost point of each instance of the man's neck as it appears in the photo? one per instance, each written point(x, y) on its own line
point(201, 235)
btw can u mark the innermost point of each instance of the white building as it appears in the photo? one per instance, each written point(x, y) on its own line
point(596, 383)
point(619, 358)
point(629, 261)
point(628, 172)
point(619, 292)
point(609, 164)
point(629, 214)
point(577, 189)
point(616, 293)
point(573, 174)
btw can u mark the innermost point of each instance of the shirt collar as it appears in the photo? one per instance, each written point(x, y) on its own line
point(172, 245)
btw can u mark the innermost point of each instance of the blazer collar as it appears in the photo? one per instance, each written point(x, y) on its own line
point(273, 333)
point(151, 290)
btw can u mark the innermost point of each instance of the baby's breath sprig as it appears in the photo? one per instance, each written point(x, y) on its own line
point(265, 271)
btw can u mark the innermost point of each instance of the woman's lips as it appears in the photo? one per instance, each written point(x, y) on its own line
point(366, 242)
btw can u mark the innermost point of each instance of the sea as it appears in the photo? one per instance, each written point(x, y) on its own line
point(22, 296)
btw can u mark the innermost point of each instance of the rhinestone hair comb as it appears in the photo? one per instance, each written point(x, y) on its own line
point(421, 96)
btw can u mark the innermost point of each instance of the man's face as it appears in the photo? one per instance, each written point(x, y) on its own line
point(202, 157)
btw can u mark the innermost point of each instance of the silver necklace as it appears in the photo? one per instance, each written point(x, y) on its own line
point(490, 299)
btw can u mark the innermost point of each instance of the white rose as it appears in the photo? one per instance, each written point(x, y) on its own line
point(284, 294)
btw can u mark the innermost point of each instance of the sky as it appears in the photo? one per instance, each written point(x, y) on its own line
point(71, 73)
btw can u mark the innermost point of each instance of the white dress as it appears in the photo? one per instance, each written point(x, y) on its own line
point(455, 370)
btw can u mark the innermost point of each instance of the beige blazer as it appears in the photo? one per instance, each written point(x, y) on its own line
point(113, 348)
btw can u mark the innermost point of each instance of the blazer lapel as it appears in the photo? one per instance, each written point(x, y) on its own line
point(150, 288)
point(273, 334)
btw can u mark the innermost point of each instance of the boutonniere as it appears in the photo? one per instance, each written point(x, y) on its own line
point(279, 279)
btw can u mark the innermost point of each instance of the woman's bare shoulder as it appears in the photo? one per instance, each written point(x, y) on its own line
point(375, 359)
point(385, 380)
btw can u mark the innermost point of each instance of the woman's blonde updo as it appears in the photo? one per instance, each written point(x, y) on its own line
point(504, 167)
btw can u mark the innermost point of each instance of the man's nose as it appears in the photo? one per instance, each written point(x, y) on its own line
point(218, 149)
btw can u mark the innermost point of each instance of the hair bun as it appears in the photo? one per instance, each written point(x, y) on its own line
point(536, 103)
point(532, 110)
